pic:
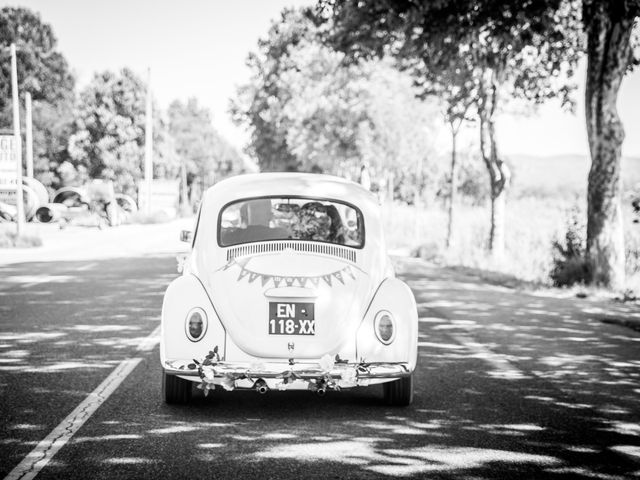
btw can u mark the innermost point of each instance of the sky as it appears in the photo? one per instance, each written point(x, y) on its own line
point(199, 47)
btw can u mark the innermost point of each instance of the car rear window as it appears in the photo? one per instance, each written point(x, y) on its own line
point(290, 218)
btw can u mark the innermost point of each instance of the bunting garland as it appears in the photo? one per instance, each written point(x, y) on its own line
point(330, 279)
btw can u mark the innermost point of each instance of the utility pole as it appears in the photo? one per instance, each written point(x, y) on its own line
point(29, 130)
point(417, 202)
point(17, 141)
point(148, 146)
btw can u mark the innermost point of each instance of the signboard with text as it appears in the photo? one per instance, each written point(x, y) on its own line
point(164, 196)
point(8, 169)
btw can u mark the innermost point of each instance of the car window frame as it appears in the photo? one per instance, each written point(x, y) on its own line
point(301, 197)
point(195, 232)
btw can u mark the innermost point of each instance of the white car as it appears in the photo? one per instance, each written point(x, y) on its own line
point(288, 286)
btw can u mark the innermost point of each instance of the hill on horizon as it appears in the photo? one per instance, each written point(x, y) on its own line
point(562, 174)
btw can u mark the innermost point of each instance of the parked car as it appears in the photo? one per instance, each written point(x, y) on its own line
point(288, 286)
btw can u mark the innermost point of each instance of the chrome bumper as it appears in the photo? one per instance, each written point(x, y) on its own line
point(303, 371)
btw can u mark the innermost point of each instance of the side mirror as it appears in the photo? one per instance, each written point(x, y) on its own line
point(186, 236)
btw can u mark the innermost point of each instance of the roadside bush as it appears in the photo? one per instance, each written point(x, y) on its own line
point(430, 251)
point(473, 182)
point(569, 256)
point(11, 240)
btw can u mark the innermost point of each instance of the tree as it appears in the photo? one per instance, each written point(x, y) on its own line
point(334, 117)
point(205, 156)
point(455, 87)
point(340, 117)
point(43, 72)
point(515, 49)
point(610, 55)
point(108, 138)
point(52, 126)
point(255, 106)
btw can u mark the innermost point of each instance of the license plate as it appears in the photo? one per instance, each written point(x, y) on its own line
point(291, 318)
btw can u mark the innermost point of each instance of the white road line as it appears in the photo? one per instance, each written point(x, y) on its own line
point(35, 282)
point(150, 342)
point(88, 266)
point(46, 278)
point(42, 454)
point(35, 461)
point(503, 368)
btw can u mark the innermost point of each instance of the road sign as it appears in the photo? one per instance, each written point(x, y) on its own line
point(164, 196)
point(8, 162)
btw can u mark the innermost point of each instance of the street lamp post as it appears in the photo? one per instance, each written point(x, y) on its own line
point(17, 141)
point(148, 147)
point(29, 134)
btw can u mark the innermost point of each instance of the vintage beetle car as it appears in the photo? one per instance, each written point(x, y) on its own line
point(288, 286)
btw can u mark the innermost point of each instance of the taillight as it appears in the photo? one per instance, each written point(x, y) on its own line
point(196, 324)
point(384, 326)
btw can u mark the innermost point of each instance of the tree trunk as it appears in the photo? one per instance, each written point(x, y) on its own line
point(608, 53)
point(499, 173)
point(452, 185)
point(391, 182)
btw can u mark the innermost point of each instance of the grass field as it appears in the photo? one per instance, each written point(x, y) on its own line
point(532, 224)
point(543, 192)
point(9, 239)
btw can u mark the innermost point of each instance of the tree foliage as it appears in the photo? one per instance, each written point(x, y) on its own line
point(207, 157)
point(52, 126)
point(109, 132)
point(332, 116)
point(42, 71)
point(493, 50)
point(258, 100)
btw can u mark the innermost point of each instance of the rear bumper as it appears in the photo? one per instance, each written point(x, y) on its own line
point(348, 372)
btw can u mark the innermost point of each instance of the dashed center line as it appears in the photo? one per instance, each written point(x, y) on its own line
point(150, 341)
point(88, 266)
point(42, 454)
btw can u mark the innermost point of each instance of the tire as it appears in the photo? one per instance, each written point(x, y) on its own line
point(175, 389)
point(399, 393)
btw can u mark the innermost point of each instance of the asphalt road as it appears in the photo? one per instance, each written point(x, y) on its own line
point(509, 385)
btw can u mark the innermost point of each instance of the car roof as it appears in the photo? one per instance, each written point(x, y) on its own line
point(290, 183)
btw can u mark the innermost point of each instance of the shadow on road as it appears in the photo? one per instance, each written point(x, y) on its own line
point(509, 385)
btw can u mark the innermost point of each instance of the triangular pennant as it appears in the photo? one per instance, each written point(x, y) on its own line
point(314, 280)
point(349, 272)
point(289, 280)
point(302, 281)
point(243, 273)
point(253, 276)
point(338, 275)
point(327, 278)
point(229, 264)
point(264, 279)
point(277, 281)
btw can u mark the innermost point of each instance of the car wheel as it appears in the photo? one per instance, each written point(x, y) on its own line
point(175, 389)
point(399, 393)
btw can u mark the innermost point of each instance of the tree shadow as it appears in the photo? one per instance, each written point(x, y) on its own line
point(65, 325)
point(509, 385)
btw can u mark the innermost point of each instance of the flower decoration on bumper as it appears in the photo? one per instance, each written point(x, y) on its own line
point(210, 376)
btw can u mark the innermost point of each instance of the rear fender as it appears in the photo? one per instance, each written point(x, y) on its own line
point(396, 297)
point(184, 294)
